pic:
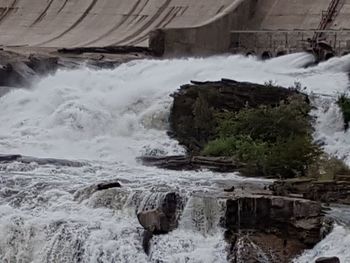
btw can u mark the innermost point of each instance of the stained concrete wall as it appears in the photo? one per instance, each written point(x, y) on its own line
point(211, 37)
point(257, 15)
point(186, 26)
point(69, 23)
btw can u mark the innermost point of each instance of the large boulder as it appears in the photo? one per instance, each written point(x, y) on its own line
point(162, 219)
point(155, 221)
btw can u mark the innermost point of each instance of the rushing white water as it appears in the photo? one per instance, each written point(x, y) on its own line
point(106, 119)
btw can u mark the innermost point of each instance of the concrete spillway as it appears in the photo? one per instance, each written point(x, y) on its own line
point(186, 26)
point(62, 23)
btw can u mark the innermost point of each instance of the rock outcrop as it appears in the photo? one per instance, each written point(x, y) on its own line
point(271, 228)
point(162, 219)
point(279, 228)
point(194, 104)
point(182, 162)
point(337, 191)
point(19, 68)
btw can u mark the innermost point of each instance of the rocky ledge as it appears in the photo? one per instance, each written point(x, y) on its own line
point(277, 227)
point(19, 66)
point(183, 162)
point(325, 191)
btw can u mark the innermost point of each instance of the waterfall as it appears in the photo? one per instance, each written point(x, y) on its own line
point(105, 119)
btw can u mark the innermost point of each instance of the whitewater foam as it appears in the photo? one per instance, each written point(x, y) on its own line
point(108, 118)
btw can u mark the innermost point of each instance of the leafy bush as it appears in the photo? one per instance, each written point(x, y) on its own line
point(277, 141)
point(268, 123)
point(344, 104)
point(242, 147)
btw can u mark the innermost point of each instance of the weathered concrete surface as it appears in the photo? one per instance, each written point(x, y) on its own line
point(186, 27)
point(69, 23)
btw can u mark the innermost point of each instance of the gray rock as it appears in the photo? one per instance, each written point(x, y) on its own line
point(155, 221)
point(162, 219)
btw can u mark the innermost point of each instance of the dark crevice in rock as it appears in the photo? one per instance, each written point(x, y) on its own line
point(109, 185)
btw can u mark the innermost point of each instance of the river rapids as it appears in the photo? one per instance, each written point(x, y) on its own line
point(103, 120)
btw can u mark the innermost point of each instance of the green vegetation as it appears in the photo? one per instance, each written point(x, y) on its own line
point(271, 141)
point(327, 168)
point(344, 104)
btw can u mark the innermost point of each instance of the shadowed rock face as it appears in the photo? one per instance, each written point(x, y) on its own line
point(325, 191)
point(17, 70)
point(193, 129)
point(163, 219)
point(293, 218)
point(279, 227)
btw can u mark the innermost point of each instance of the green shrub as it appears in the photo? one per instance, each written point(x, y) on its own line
point(268, 123)
point(276, 141)
point(344, 104)
point(327, 167)
point(292, 157)
point(243, 148)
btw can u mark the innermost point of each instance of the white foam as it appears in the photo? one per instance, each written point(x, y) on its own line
point(108, 118)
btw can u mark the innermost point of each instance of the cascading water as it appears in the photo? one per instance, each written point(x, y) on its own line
point(105, 119)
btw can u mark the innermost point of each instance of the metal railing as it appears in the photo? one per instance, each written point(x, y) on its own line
point(327, 17)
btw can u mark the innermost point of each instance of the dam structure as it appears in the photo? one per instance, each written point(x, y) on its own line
point(178, 27)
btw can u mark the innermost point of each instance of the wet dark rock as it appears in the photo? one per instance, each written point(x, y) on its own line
point(109, 185)
point(9, 158)
point(193, 128)
point(18, 69)
point(232, 189)
point(109, 194)
point(258, 247)
point(43, 65)
point(16, 74)
point(182, 162)
point(332, 191)
point(280, 227)
point(146, 239)
point(328, 260)
point(163, 219)
point(155, 221)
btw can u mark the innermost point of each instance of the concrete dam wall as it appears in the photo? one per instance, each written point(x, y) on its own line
point(69, 23)
point(176, 27)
